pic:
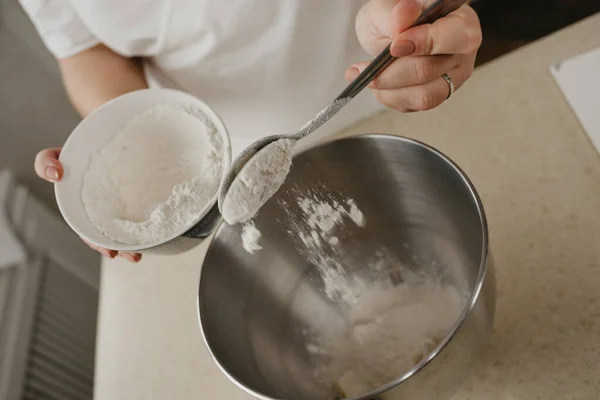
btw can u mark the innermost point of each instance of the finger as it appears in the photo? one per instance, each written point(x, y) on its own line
point(457, 33)
point(356, 69)
point(405, 13)
point(47, 165)
point(105, 252)
point(133, 257)
point(380, 20)
point(426, 96)
point(412, 71)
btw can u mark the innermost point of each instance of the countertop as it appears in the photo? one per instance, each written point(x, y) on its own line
point(513, 133)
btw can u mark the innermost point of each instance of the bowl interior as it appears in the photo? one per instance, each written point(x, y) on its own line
point(93, 133)
point(260, 313)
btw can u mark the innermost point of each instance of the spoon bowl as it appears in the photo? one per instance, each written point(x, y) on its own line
point(249, 152)
point(239, 162)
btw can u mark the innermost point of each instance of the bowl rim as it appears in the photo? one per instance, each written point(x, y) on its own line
point(193, 101)
point(452, 332)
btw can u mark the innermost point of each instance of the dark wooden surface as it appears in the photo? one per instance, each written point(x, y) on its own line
point(509, 24)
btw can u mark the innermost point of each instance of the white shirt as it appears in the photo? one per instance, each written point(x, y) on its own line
point(266, 66)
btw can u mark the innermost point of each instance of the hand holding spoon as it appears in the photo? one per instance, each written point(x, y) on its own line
point(248, 184)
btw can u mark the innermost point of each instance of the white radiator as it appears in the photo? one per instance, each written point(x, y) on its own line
point(48, 305)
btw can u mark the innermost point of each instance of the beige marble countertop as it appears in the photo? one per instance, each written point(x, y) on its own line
point(513, 133)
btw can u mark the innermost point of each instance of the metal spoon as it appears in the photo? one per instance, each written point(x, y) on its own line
point(438, 9)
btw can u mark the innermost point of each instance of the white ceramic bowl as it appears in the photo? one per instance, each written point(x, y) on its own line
point(93, 133)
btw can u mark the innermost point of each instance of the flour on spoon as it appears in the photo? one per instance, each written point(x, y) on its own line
point(258, 181)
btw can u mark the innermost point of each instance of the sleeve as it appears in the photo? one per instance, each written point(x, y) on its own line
point(59, 26)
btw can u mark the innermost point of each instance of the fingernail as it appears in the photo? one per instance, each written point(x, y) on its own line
point(402, 48)
point(128, 257)
point(135, 257)
point(51, 173)
point(107, 253)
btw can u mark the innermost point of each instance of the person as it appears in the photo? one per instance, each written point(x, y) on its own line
point(266, 66)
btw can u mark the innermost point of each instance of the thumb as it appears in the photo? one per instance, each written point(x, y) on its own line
point(381, 20)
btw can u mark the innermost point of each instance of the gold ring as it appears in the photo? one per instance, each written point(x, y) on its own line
point(450, 84)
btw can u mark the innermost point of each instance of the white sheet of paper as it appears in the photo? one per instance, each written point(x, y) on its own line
point(579, 80)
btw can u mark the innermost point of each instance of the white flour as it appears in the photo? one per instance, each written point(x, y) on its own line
point(323, 216)
point(322, 219)
point(250, 237)
point(393, 323)
point(258, 181)
point(317, 226)
point(355, 214)
point(155, 176)
point(395, 318)
point(392, 326)
point(391, 330)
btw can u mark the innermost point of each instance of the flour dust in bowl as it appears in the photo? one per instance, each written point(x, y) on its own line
point(370, 278)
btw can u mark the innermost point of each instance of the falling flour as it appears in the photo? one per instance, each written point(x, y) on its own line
point(155, 176)
point(258, 181)
point(320, 216)
point(250, 237)
point(323, 216)
point(391, 329)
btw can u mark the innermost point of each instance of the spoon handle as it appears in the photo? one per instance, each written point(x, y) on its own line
point(439, 9)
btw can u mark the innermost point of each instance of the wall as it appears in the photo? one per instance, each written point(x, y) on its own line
point(34, 109)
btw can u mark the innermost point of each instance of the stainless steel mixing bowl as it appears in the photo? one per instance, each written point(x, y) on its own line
point(259, 313)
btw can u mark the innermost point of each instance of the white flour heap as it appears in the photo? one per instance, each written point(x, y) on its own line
point(155, 176)
point(391, 330)
point(258, 181)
